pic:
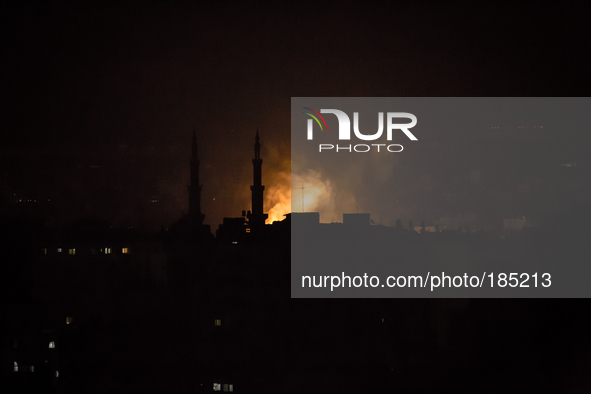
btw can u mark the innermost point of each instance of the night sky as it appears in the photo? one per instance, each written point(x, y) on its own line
point(99, 100)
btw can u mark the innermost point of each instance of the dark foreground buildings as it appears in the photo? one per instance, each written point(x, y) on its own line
point(95, 309)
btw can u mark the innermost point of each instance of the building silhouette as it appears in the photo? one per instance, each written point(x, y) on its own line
point(238, 229)
point(256, 217)
point(191, 224)
point(188, 242)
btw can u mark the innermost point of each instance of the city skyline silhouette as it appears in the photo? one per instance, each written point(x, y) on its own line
point(149, 199)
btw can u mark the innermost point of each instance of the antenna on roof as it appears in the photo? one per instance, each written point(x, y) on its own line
point(302, 188)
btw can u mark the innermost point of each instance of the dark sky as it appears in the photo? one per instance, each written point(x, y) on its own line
point(99, 99)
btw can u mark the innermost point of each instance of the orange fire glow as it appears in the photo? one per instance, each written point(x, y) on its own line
point(279, 198)
point(310, 193)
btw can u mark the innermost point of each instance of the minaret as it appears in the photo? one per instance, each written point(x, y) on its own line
point(195, 187)
point(257, 217)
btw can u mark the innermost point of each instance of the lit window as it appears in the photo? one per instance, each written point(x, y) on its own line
point(44, 250)
point(69, 320)
point(125, 251)
point(248, 230)
point(234, 243)
point(57, 374)
point(217, 387)
point(231, 388)
point(72, 251)
point(32, 368)
point(107, 250)
point(15, 366)
point(59, 250)
point(52, 345)
point(218, 322)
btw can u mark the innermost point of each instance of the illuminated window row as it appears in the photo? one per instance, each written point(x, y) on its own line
point(25, 368)
point(73, 250)
point(32, 369)
point(223, 387)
